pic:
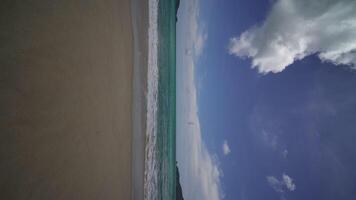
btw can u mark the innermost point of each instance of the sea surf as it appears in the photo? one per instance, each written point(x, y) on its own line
point(160, 159)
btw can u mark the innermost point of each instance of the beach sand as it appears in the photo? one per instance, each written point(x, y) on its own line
point(140, 32)
point(66, 93)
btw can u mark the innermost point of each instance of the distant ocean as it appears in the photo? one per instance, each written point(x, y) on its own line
point(160, 159)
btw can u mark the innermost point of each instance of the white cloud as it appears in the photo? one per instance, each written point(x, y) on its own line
point(199, 43)
point(295, 29)
point(283, 185)
point(275, 184)
point(192, 28)
point(199, 170)
point(226, 148)
point(288, 182)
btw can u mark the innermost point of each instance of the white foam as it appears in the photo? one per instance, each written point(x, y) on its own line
point(151, 165)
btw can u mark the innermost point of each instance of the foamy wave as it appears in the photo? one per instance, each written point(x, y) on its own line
point(151, 165)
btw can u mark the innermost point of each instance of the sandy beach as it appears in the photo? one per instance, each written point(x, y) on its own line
point(66, 93)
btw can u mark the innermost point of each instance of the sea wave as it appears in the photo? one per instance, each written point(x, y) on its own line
point(151, 163)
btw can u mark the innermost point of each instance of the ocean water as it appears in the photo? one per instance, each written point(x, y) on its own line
point(160, 160)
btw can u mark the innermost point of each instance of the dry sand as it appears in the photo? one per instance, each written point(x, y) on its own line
point(65, 99)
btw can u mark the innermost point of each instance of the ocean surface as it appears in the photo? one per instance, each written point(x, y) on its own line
point(160, 159)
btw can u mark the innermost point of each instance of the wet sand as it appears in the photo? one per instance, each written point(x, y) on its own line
point(140, 32)
point(66, 85)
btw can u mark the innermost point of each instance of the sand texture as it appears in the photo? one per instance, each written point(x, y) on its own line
point(140, 28)
point(65, 99)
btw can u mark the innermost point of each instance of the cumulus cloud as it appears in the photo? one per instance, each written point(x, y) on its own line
point(282, 185)
point(295, 29)
point(288, 182)
point(226, 148)
point(275, 184)
point(199, 169)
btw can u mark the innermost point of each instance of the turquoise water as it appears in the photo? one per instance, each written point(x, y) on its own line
point(166, 126)
point(160, 158)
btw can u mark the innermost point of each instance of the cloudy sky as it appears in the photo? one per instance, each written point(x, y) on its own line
point(266, 102)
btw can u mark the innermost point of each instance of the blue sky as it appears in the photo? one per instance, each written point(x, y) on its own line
point(266, 99)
